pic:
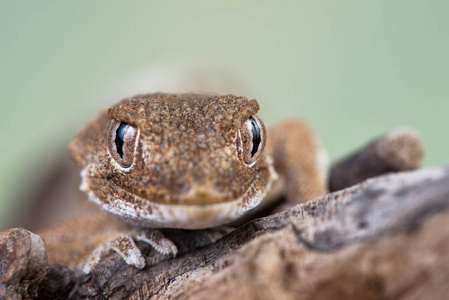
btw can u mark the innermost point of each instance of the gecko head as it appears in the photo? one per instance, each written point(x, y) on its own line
point(176, 160)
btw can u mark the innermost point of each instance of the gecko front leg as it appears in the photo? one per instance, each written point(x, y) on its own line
point(81, 243)
point(127, 249)
point(299, 160)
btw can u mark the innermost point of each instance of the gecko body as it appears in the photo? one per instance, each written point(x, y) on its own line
point(187, 161)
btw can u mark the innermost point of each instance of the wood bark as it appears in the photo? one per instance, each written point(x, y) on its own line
point(386, 238)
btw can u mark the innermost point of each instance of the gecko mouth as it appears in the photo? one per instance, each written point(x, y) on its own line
point(197, 195)
point(148, 213)
point(192, 216)
point(143, 212)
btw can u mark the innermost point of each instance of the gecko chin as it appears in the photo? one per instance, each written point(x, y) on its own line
point(143, 212)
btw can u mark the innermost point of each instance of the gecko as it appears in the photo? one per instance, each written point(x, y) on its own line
point(188, 161)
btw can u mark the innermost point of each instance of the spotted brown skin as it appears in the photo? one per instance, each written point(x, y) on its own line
point(184, 161)
point(193, 163)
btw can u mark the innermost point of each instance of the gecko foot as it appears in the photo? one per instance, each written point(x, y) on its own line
point(158, 241)
point(125, 246)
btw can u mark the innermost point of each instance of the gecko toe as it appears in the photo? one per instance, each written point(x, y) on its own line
point(158, 241)
point(124, 246)
point(127, 249)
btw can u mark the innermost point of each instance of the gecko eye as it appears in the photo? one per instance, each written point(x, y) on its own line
point(253, 139)
point(121, 142)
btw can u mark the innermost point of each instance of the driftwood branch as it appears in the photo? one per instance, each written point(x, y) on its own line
point(398, 150)
point(386, 238)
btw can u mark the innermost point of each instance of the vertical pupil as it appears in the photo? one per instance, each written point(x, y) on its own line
point(120, 138)
point(256, 135)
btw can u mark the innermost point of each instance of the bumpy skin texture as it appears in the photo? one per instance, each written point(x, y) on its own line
point(189, 165)
point(188, 170)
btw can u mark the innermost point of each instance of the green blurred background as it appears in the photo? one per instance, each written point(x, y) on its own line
point(353, 69)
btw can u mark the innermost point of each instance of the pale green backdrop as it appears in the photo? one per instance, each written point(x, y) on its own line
point(353, 69)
